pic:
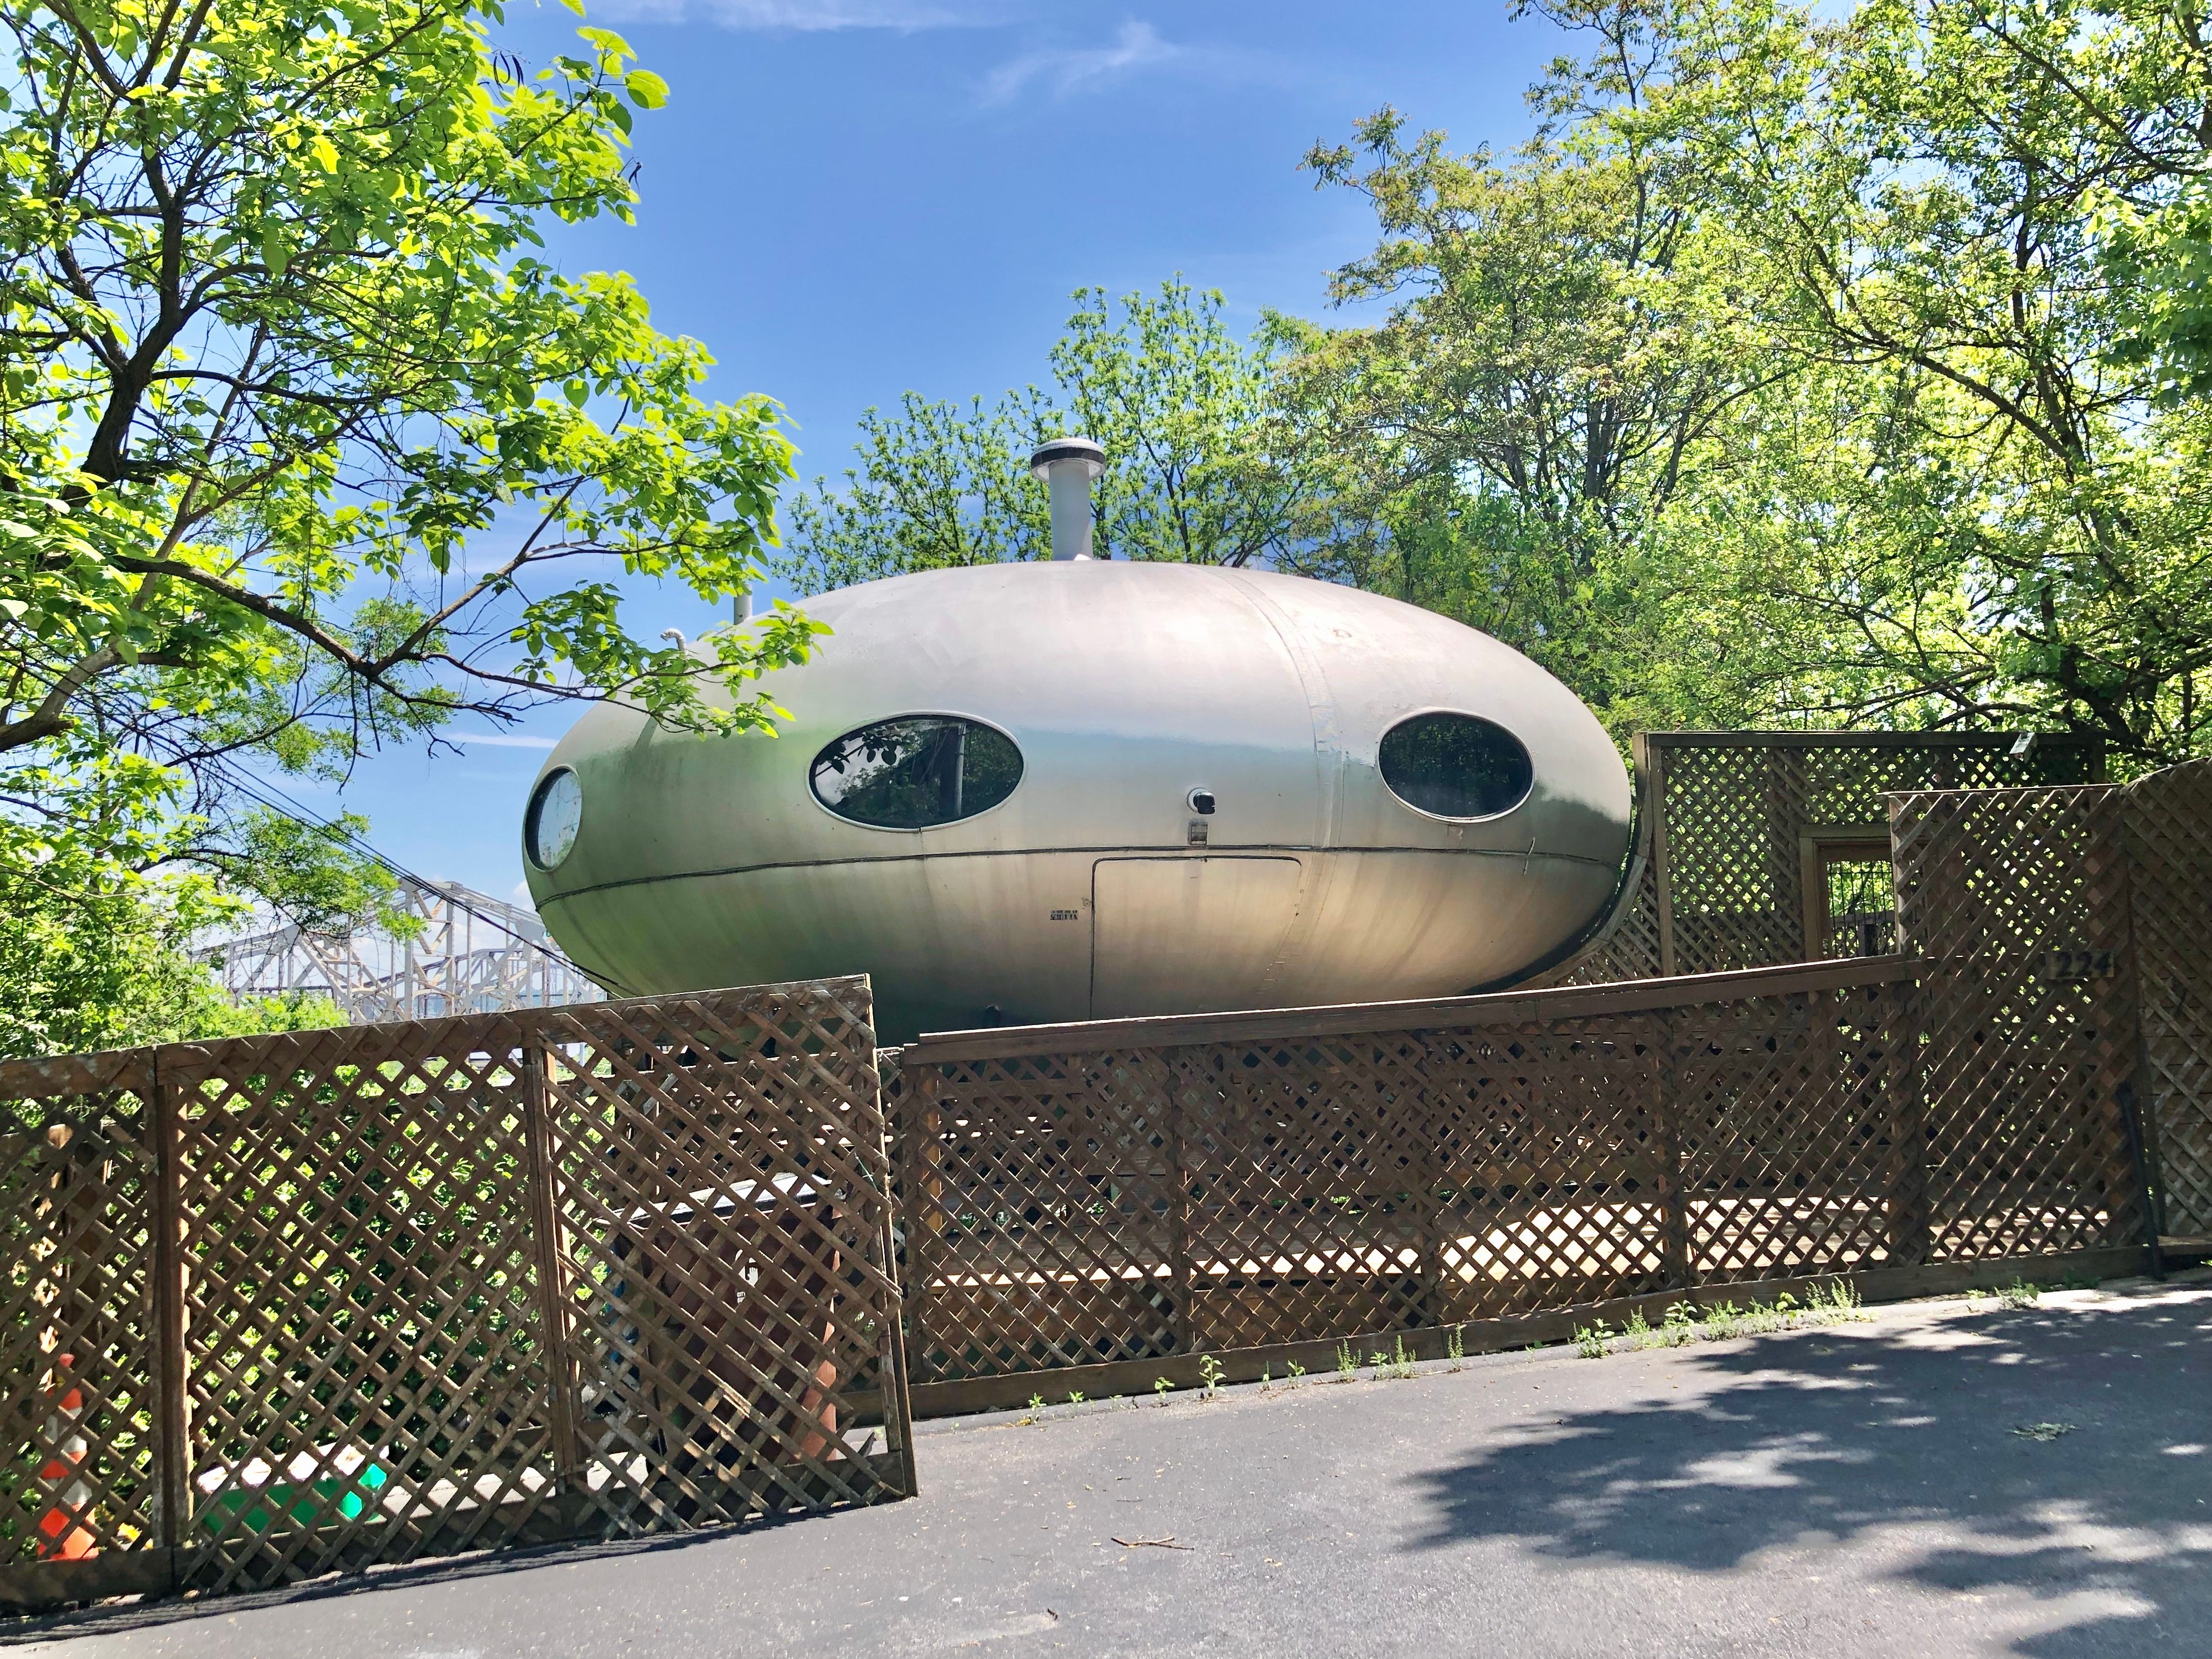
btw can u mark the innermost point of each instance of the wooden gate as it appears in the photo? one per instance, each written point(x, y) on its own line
point(283, 1304)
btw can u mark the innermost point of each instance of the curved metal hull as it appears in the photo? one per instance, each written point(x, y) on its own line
point(702, 862)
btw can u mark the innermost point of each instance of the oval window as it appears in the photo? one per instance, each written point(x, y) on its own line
point(549, 829)
point(1456, 766)
point(917, 771)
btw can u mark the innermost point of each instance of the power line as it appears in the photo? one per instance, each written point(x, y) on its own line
point(254, 787)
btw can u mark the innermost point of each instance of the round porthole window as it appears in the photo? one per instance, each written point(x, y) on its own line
point(1456, 766)
point(916, 772)
point(549, 829)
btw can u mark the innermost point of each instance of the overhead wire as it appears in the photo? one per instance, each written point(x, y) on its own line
point(269, 795)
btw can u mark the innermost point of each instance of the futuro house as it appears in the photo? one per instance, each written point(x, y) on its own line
point(1088, 789)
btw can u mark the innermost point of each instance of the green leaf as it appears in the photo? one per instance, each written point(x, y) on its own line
point(647, 90)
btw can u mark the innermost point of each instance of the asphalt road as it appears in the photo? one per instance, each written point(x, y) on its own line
point(1862, 1490)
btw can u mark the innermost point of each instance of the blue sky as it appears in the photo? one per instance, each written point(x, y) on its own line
point(848, 199)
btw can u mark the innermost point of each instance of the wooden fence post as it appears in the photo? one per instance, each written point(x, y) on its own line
point(1908, 1131)
point(921, 1181)
point(1183, 1328)
point(1429, 1174)
point(2136, 1091)
point(1674, 1199)
point(1663, 881)
point(171, 1401)
point(550, 1255)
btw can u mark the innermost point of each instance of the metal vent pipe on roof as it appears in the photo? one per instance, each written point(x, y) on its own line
point(1067, 466)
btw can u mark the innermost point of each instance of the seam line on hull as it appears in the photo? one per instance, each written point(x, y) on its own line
point(1171, 851)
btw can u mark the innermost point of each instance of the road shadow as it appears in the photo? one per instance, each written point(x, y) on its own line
point(1834, 1435)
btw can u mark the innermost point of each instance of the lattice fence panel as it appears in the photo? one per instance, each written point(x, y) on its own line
point(1729, 809)
point(1731, 869)
point(332, 1298)
point(2169, 822)
point(2016, 900)
point(77, 1225)
point(1629, 947)
point(1548, 1169)
point(1079, 1209)
point(1041, 1215)
point(724, 1212)
point(1784, 1110)
point(1308, 1186)
point(1070, 1207)
point(365, 1355)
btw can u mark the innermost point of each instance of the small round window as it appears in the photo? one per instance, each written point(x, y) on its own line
point(917, 771)
point(1456, 766)
point(549, 829)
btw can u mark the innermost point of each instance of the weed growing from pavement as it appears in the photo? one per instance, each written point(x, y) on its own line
point(2019, 1294)
point(1832, 1302)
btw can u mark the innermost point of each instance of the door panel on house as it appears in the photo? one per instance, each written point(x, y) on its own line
point(1187, 935)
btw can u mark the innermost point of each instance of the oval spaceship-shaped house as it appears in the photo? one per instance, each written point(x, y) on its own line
point(1028, 793)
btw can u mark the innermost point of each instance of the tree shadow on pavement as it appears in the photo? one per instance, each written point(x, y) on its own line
point(1914, 1435)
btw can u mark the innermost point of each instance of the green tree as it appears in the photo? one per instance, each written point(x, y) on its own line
point(97, 921)
point(1198, 467)
point(1804, 369)
point(277, 350)
point(2024, 536)
point(304, 446)
point(1564, 334)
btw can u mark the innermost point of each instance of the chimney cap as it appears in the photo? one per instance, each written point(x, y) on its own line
point(1085, 450)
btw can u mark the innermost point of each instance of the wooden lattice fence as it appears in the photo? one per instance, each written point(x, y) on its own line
point(281, 1305)
point(2169, 822)
point(1736, 831)
point(1118, 1196)
point(2016, 904)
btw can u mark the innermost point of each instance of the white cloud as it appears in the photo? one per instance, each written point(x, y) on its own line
point(504, 739)
point(1064, 69)
point(800, 15)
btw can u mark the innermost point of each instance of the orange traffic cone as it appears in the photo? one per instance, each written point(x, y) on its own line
point(62, 1535)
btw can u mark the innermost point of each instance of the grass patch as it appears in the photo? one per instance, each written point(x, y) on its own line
point(1833, 1302)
